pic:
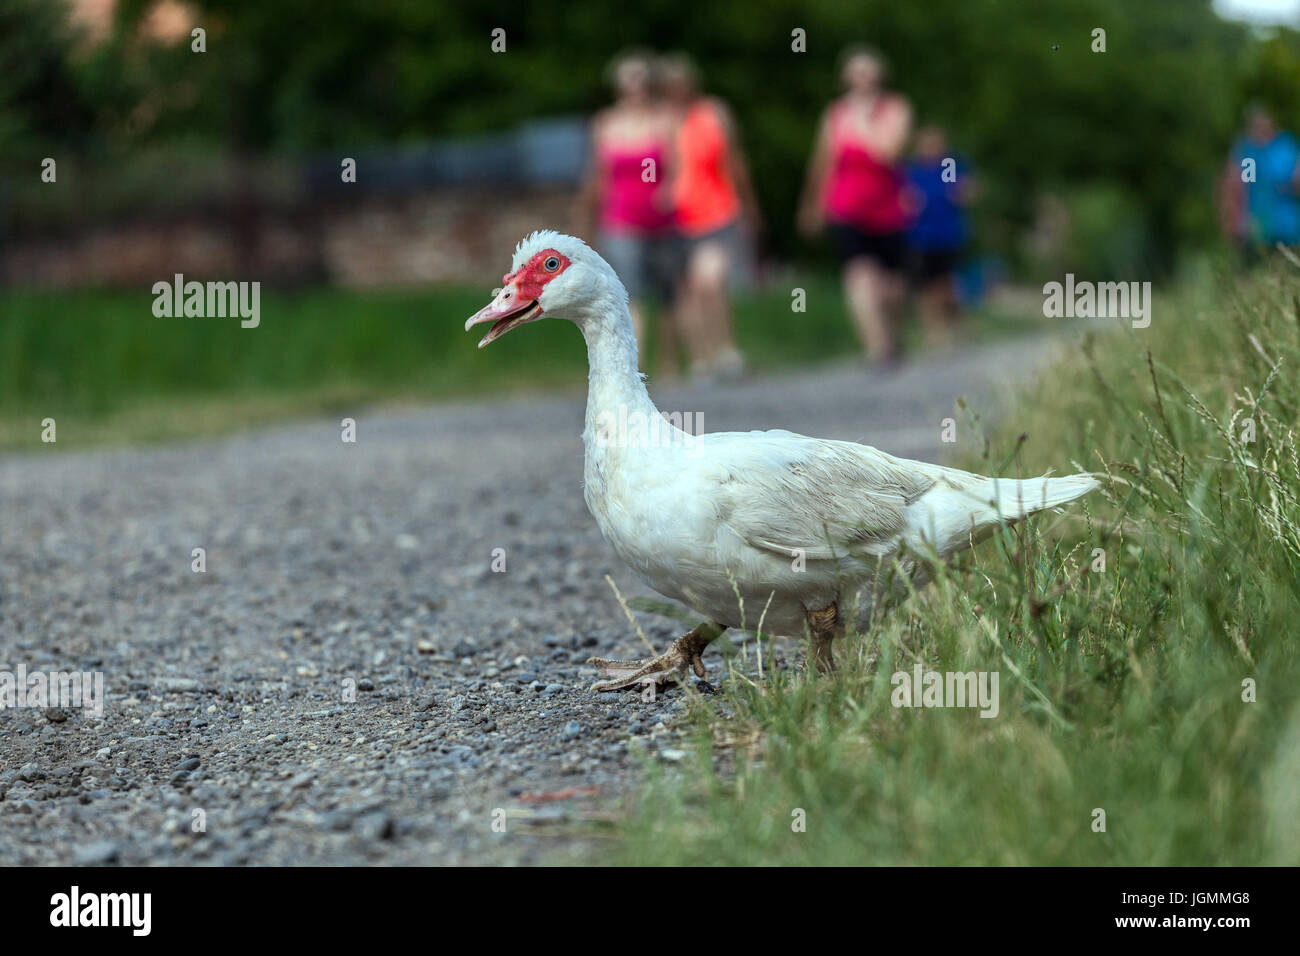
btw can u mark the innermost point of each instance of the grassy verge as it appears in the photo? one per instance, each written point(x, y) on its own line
point(108, 371)
point(1122, 686)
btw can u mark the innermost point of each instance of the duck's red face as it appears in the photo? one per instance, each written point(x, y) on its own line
point(519, 300)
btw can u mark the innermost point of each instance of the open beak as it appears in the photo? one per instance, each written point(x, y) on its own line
point(507, 311)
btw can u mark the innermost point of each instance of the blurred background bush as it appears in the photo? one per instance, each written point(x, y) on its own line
point(226, 163)
point(1129, 141)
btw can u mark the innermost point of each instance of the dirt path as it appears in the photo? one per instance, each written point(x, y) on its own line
point(333, 566)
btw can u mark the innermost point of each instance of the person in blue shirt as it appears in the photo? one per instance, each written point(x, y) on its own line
point(1260, 194)
point(939, 187)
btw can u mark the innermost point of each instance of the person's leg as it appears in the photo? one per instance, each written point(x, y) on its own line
point(625, 254)
point(866, 287)
point(694, 321)
point(895, 297)
point(935, 307)
point(670, 346)
point(708, 272)
point(638, 329)
point(664, 277)
point(687, 307)
point(952, 309)
point(893, 265)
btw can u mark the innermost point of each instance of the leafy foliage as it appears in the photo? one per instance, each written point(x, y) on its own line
point(1145, 122)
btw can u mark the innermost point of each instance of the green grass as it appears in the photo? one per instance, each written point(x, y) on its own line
point(102, 362)
point(108, 371)
point(1121, 689)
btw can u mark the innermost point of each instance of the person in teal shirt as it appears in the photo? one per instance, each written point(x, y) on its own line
point(1261, 194)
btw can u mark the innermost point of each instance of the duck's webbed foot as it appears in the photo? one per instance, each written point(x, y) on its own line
point(669, 667)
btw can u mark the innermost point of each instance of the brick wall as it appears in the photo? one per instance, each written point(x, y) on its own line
point(379, 239)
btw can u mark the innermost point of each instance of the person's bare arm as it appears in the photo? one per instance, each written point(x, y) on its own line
point(586, 205)
point(670, 127)
point(738, 168)
point(888, 137)
point(810, 203)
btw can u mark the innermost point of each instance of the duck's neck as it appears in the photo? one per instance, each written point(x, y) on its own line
point(615, 388)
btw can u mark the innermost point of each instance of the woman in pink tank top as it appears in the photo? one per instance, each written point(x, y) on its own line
point(862, 189)
point(625, 203)
point(855, 193)
point(629, 203)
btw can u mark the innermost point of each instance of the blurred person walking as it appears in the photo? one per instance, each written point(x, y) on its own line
point(624, 200)
point(1259, 196)
point(716, 215)
point(939, 186)
point(854, 190)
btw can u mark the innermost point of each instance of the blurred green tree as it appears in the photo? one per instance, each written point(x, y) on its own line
point(1019, 85)
point(45, 102)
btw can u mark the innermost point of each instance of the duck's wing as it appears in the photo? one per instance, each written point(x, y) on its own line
point(790, 494)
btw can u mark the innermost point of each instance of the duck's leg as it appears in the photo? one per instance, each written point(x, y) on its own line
point(823, 625)
point(668, 667)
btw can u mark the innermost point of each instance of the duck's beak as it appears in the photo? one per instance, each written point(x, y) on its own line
point(507, 311)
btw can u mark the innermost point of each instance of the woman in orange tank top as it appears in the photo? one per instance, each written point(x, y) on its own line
point(715, 213)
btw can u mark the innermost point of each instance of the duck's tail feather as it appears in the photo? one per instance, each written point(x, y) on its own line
point(962, 508)
point(1014, 498)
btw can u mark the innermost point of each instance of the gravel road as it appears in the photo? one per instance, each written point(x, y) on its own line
point(349, 681)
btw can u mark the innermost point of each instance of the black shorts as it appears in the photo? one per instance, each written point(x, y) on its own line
point(936, 264)
point(888, 249)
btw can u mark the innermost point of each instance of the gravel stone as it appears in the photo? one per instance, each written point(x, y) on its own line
point(327, 561)
point(101, 851)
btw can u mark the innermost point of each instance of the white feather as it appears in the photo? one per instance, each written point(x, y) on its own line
point(769, 516)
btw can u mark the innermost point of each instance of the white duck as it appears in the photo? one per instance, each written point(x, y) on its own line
point(805, 531)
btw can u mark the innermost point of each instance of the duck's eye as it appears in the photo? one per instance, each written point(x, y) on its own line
point(551, 264)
